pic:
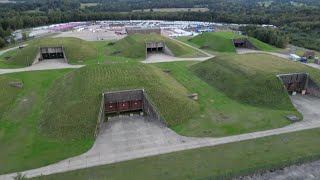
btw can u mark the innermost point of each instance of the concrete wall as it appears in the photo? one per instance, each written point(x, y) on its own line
point(313, 88)
point(306, 82)
point(137, 94)
point(167, 51)
point(152, 111)
point(101, 116)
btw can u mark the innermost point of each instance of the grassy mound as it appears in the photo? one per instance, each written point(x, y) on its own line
point(250, 79)
point(73, 113)
point(222, 42)
point(219, 114)
point(215, 41)
point(133, 46)
point(54, 115)
point(22, 146)
point(75, 50)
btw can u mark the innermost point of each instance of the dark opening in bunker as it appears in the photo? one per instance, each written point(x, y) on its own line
point(243, 43)
point(152, 47)
point(47, 53)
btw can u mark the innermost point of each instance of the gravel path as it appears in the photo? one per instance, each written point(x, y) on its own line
point(109, 147)
point(43, 65)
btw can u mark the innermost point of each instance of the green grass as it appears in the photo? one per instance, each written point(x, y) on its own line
point(264, 46)
point(75, 50)
point(4, 58)
point(73, 113)
point(215, 41)
point(248, 156)
point(251, 79)
point(219, 114)
point(133, 47)
point(22, 145)
point(222, 42)
point(40, 125)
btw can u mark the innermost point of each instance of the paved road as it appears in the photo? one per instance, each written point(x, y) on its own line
point(10, 49)
point(43, 65)
point(251, 51)
point(161, 57)
point(129, 139)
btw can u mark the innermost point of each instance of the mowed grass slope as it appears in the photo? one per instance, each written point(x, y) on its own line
point(222, 42)
point(215, 41)
point(219, 114)
point(22, 145)
point(75, 50)
point(251, 79)
point(216, 162)
point(54, 115)
point(73, 102)
point(133, 46)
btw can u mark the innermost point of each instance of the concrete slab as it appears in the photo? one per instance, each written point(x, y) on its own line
point(161, 57)
point(43, 65)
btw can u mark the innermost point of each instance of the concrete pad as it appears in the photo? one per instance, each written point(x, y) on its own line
point(43, 65)
point(161, 57)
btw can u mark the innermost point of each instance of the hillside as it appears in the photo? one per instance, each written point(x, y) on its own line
point(75, 50)
point(78, 105)
point(133, 46)
point(39, 119)
point(251, 79)
point(222, 42)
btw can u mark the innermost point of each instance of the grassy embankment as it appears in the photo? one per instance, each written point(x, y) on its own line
point(222, 42)
point(237, 93)
point(133, 47)
point(39, 125)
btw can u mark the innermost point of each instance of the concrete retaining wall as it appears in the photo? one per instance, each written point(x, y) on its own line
point(101, 116)
point(313, 88)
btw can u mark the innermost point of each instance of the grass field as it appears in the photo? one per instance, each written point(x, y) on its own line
point(22, 146)
point(133, 47)
point(219, 114)
point(75, 49)
point(222, 42)
point(206, 163)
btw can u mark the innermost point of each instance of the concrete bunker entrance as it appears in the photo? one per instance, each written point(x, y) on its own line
point(299, 83)
point(127, 102)
point(157, 47)
point(243, 43)
point(48, 53)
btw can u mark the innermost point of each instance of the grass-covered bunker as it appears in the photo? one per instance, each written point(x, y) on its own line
point(243, 43)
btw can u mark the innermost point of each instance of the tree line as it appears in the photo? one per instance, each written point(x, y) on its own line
point(300, 24)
